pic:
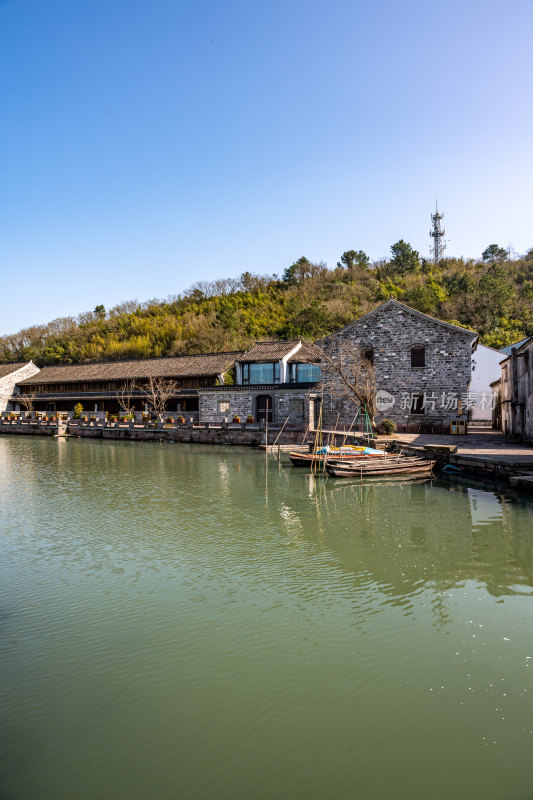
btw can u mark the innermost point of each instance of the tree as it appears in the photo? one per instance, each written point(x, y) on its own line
point(404, 259)
point(348, 374)
point(158, 392)
point(100, 312)
point(297, 271)
point(494, 253)
point(27, 400)
point(352, 258)
point(125, 395)
point(495, 289)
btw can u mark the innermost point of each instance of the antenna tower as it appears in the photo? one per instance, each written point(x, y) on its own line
point(437, 234)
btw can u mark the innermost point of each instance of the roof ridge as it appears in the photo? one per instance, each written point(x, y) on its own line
point(140, 360)
point(393, 301)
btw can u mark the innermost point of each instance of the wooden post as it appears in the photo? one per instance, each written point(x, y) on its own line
point(266, 432)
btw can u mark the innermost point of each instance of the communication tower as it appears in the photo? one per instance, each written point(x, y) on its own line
point(437, 234)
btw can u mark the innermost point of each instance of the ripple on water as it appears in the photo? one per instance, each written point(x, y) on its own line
point(197, 627)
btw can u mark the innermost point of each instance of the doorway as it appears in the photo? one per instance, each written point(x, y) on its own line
point(263, 407)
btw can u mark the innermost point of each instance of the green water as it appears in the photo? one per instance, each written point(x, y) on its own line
point(183, 622)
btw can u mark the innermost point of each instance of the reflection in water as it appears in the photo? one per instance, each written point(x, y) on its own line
point(205, 622)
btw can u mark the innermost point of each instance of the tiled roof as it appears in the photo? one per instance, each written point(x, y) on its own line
point(7, 369)
point(172, 367)
point(268, 351)
point(308, 353)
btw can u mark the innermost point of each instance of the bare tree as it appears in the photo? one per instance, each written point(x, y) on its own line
point(125, 395)
point(348, 373)
point(27, 400)
point(158, 392)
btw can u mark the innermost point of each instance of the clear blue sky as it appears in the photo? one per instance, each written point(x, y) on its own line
point(148, 145)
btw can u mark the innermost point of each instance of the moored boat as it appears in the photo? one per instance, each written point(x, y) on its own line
point(396, 467)
point(334, 454)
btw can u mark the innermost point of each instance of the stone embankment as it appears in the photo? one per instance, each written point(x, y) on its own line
point(483, 454)
point(228, 434)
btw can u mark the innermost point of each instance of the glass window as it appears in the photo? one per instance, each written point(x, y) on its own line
point(307, 373)
point(256, 374)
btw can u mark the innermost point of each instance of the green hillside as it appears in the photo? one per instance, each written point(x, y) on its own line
point(492, 294)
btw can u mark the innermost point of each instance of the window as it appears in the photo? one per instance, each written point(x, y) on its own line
point(223, 406)
point(418, 405)
point(304, 373)
point(418, 356)
point(296, 408)
point(368, 356)
point(257, 374)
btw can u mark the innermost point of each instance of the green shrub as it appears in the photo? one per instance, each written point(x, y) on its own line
point(78, 408)
point(388, 426)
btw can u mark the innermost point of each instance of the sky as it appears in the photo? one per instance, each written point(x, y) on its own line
point(145, 146)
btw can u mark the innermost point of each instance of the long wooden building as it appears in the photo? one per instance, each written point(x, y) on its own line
point(99, 386)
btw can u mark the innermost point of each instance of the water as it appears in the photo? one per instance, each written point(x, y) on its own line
point(180, 622)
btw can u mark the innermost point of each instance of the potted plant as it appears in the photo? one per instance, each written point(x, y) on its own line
point(236, 419)
point(181, 420)
point(250, 419)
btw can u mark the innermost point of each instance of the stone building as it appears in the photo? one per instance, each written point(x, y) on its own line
point(274, 381)
point(10, 376)
point(422, 367)
point(514, 392)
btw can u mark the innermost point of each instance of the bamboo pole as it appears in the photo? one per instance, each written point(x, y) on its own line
point(281, 431)
point(266, 433)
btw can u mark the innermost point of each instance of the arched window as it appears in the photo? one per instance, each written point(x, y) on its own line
point(418, 356)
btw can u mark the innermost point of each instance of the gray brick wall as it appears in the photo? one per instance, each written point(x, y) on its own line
point(391, 331)
point(222, 402)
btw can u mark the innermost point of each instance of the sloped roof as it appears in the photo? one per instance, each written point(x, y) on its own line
point(392, 303)
point(7, 369)
point(307, 354)
point(172, 367)
point(507, 349)
point(268, 351)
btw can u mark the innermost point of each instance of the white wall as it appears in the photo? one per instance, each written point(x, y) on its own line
point(485, 370)
point(7, 384)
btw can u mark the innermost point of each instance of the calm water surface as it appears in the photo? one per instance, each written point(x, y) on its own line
point(180, 622)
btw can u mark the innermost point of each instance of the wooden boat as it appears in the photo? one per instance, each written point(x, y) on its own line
point(395, 467)
point(337, 454)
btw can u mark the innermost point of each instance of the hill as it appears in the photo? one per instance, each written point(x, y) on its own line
point(493, 295)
